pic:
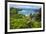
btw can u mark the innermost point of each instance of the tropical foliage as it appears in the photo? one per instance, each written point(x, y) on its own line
point(18, 21)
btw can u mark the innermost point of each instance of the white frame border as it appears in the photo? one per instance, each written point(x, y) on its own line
point(30, 29)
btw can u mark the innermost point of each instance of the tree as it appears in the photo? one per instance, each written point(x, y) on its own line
point(12, 10)
point(38, 16)
point(17, 9)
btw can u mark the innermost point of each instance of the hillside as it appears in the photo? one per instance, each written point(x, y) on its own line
point(18, 21)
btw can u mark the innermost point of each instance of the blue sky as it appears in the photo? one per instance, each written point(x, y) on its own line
point(27, 9)
point(25, 6)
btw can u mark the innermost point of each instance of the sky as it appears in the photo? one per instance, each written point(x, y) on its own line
point(27, 9)
point(25, 6)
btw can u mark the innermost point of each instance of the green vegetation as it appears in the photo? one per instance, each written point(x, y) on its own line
point(18, 21)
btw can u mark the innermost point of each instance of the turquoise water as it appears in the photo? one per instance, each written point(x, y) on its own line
point(27, 12)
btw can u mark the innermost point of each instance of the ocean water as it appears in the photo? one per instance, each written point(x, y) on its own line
point(27, 12)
